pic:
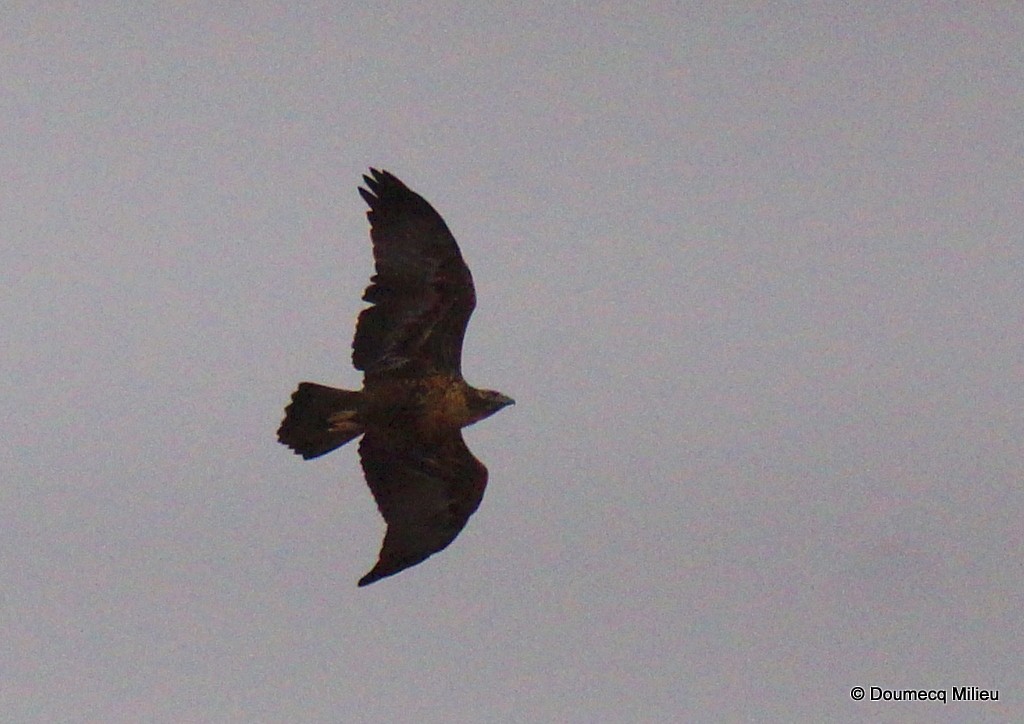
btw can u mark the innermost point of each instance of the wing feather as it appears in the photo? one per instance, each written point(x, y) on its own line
point(426, 493)
point(422, 292)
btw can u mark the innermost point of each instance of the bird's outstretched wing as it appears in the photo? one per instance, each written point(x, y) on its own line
point(426, 493)
point(422, 292)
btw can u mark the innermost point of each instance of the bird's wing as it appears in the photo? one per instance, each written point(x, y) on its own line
point(422, 292)
point(426, 493)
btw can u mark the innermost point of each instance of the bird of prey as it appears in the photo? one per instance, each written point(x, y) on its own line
point(414, 402)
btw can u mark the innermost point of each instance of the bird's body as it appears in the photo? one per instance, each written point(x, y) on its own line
point(432, 407)
point(414, 402)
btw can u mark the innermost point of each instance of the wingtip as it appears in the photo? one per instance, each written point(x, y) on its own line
point(378, 176)
point(385, 568)
point(374, 181)
point(371, 577)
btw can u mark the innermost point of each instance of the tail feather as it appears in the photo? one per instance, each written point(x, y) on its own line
point(319, 419)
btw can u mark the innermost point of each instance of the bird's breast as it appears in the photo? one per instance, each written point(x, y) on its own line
point(444, 405)
point(434, 405)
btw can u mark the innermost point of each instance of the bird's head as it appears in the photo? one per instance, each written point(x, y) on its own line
point(485, 403)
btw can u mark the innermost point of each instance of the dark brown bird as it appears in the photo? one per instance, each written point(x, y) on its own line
point(414, 402)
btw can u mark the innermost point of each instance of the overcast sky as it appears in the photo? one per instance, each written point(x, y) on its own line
point(755, 278)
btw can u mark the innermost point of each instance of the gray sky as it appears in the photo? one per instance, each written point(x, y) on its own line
point(754, 277)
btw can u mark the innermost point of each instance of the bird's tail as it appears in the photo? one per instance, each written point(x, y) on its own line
point(319, 419)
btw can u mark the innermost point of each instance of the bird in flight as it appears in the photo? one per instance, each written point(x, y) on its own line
point(414, 402)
